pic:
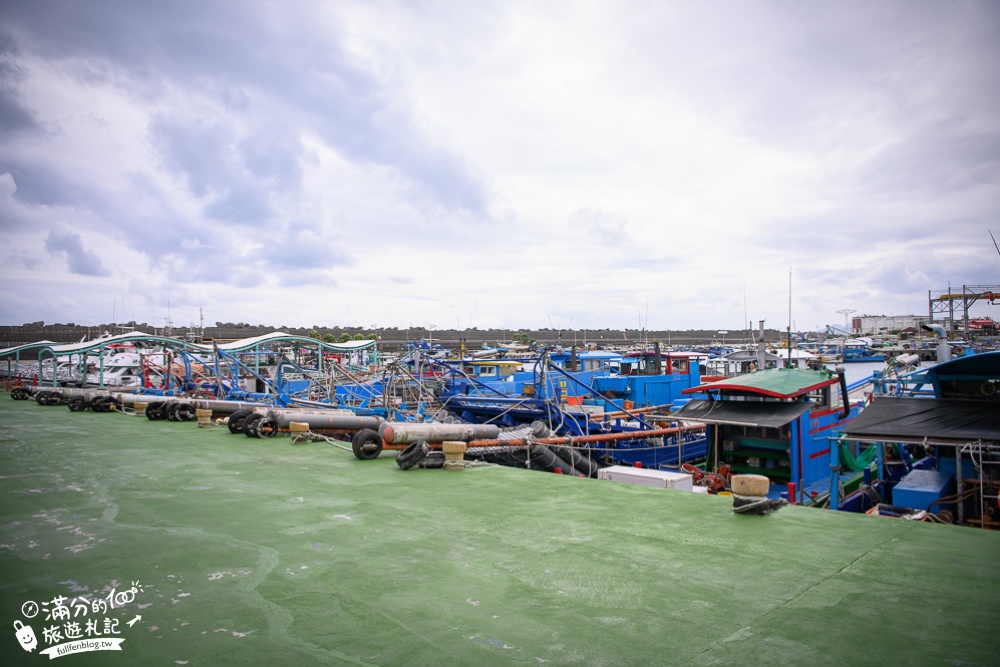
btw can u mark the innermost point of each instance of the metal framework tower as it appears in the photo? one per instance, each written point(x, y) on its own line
point(949, 301)
point(846, 313)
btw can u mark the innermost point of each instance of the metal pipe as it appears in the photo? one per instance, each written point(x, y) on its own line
point(319, 420)
point(600, 416)
point(585, 439)
point(398, 433)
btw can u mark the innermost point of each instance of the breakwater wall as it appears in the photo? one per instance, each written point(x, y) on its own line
point(390, 339)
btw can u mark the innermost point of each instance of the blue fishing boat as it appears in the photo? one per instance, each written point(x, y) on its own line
point(774, 422)
point(612, 399)
point(858, 350)
point(935, 443)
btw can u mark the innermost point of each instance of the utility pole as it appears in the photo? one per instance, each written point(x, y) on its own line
point(846, 312)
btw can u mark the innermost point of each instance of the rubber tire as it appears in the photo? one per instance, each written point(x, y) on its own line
point(249, 428)
point(434, 459)
point(42, 398)
point(366, 444)
point(19, 394)
point(171, 411)
point(183, 412)
point(265, 428)
point(77, 404)
point(413, 454)
point(156, 411)
point(101, 404)
point(235, 421)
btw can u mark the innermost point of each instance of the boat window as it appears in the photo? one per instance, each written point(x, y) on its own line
point(820, 398)
point(487, 371)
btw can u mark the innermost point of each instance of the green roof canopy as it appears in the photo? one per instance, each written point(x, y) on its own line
point(774, 382)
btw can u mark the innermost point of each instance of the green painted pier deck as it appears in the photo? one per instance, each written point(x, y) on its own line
point(260, 552)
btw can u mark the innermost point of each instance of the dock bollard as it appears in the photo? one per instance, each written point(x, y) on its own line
point(204, 417)
point(299, 431)
point(454, 454)
point(140, 407)
point(750, 495)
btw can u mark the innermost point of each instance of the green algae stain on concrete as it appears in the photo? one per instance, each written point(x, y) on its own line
point(256, 552)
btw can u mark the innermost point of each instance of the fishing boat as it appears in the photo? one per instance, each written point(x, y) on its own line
point(747, 360)
point(934, 437)
point(858, 350)
point(774, 422)
point(616, 404)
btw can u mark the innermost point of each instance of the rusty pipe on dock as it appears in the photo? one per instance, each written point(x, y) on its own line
point(397, 433)
point(585, 439)
point(600, 416)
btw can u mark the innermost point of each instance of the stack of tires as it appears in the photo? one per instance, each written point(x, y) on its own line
point(253, 424)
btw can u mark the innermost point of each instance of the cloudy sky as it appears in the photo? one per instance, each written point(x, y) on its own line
point(508, 164)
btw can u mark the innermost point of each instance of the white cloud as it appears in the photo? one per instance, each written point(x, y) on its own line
point(501, 164)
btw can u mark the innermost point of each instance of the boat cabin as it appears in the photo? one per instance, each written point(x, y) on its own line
point(774, 422)
point(646, 379)
point(936, 452)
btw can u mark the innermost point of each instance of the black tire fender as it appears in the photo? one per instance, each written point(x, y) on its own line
point(265, 428)
point(546, 459)
point(235, 421)
point(366, 444)
point(77, 404)
point(414, 453)
point(434, 459)
point(183, 412)
point(156, 411)
point(250, 424)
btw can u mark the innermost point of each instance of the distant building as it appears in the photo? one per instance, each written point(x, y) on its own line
point(880, 324)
